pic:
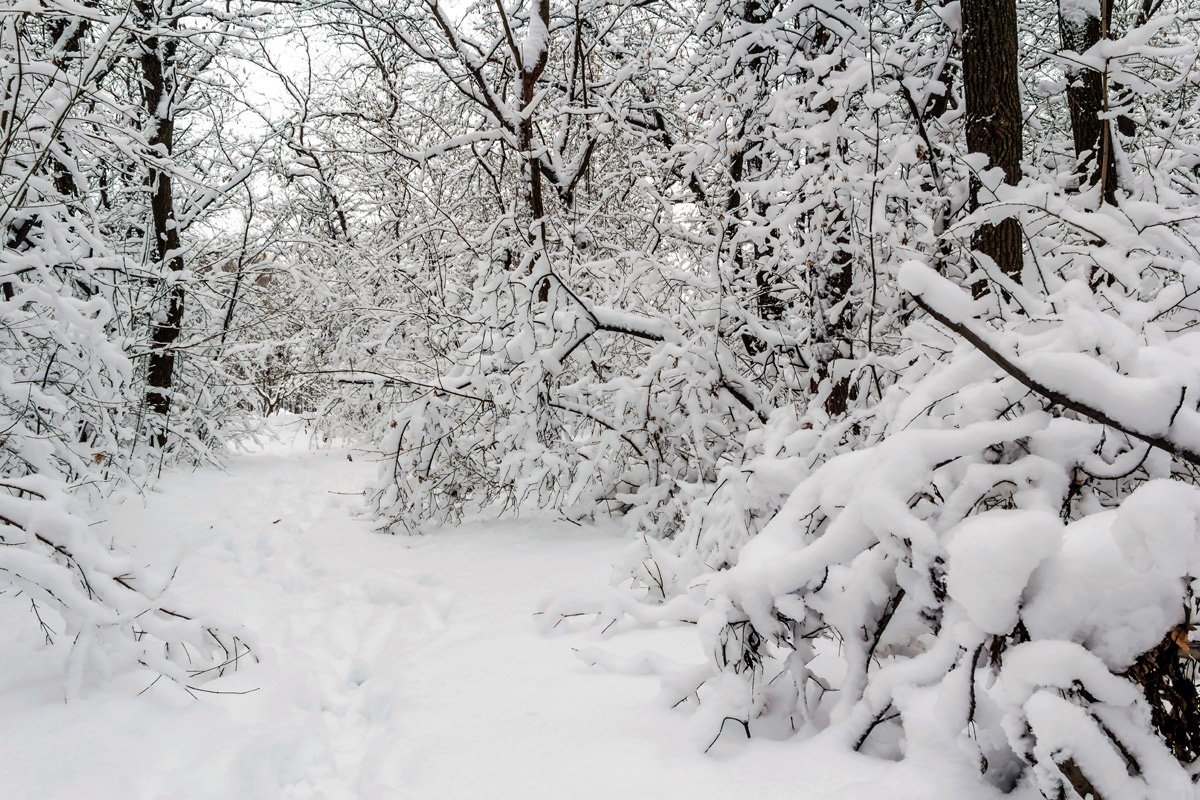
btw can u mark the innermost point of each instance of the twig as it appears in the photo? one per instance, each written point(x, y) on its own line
point(745, 725)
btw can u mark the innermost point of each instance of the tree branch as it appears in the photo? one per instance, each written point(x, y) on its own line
point(1054, 396)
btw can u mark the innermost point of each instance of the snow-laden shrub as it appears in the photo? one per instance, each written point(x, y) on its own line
point(966, 613)
point(540, 417)
point(64, 444)
point(1004, 568)
point(68, 431)
point(710, 520)
point(116, 614)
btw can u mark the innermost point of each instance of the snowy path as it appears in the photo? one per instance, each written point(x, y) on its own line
point(391, 667)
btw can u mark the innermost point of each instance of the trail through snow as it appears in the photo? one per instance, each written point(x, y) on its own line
point(390, 667)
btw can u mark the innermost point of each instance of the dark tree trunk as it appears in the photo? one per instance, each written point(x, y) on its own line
point(529, 78)
point(993, 96)
point(833, 337)
point(1087, 100)
point(68, 34)
point(753, 258)
point(530, 73)
point(165, 252)
point(839, 331)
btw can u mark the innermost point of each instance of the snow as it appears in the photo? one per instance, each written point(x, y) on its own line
point(390, 667)
point(1078, 12)
point(535, 42)
point(1151, 405)
point(1115, 585)
point(991, 558)
point(1158, 527)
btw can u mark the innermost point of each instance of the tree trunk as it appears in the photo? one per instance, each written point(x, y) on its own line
point(751, 133)
point(1087, 99)
point(165, 252)
point(993, 96)
point(833, 337)
point(530, 72)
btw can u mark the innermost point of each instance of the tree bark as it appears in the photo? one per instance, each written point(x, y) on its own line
point(1087, 99)
point(993, 96)
point(529, 78)
point(165, 252)
point(751, 133)
point(833, 337)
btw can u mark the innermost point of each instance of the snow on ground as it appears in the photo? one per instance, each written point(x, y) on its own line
point(390, 667)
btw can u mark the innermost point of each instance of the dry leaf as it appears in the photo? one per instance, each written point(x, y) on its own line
point(1179, 635)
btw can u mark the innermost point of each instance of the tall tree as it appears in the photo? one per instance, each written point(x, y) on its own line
point(186, 170)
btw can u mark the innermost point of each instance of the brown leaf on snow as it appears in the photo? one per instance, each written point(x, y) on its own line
point(1179, 635)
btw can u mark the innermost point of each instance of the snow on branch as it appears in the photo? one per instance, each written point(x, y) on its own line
point(656, 330)
point(1145, 409)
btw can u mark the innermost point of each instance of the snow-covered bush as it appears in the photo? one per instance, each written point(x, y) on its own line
point(999, 570)
point(68, 430)
point(989, 579)
point(995, 576)
point(617, 346)
point(65, 440)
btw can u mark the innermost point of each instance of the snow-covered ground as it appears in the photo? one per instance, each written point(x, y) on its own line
point(389, 667)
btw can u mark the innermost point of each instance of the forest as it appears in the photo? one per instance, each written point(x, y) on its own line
point(856, 334)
